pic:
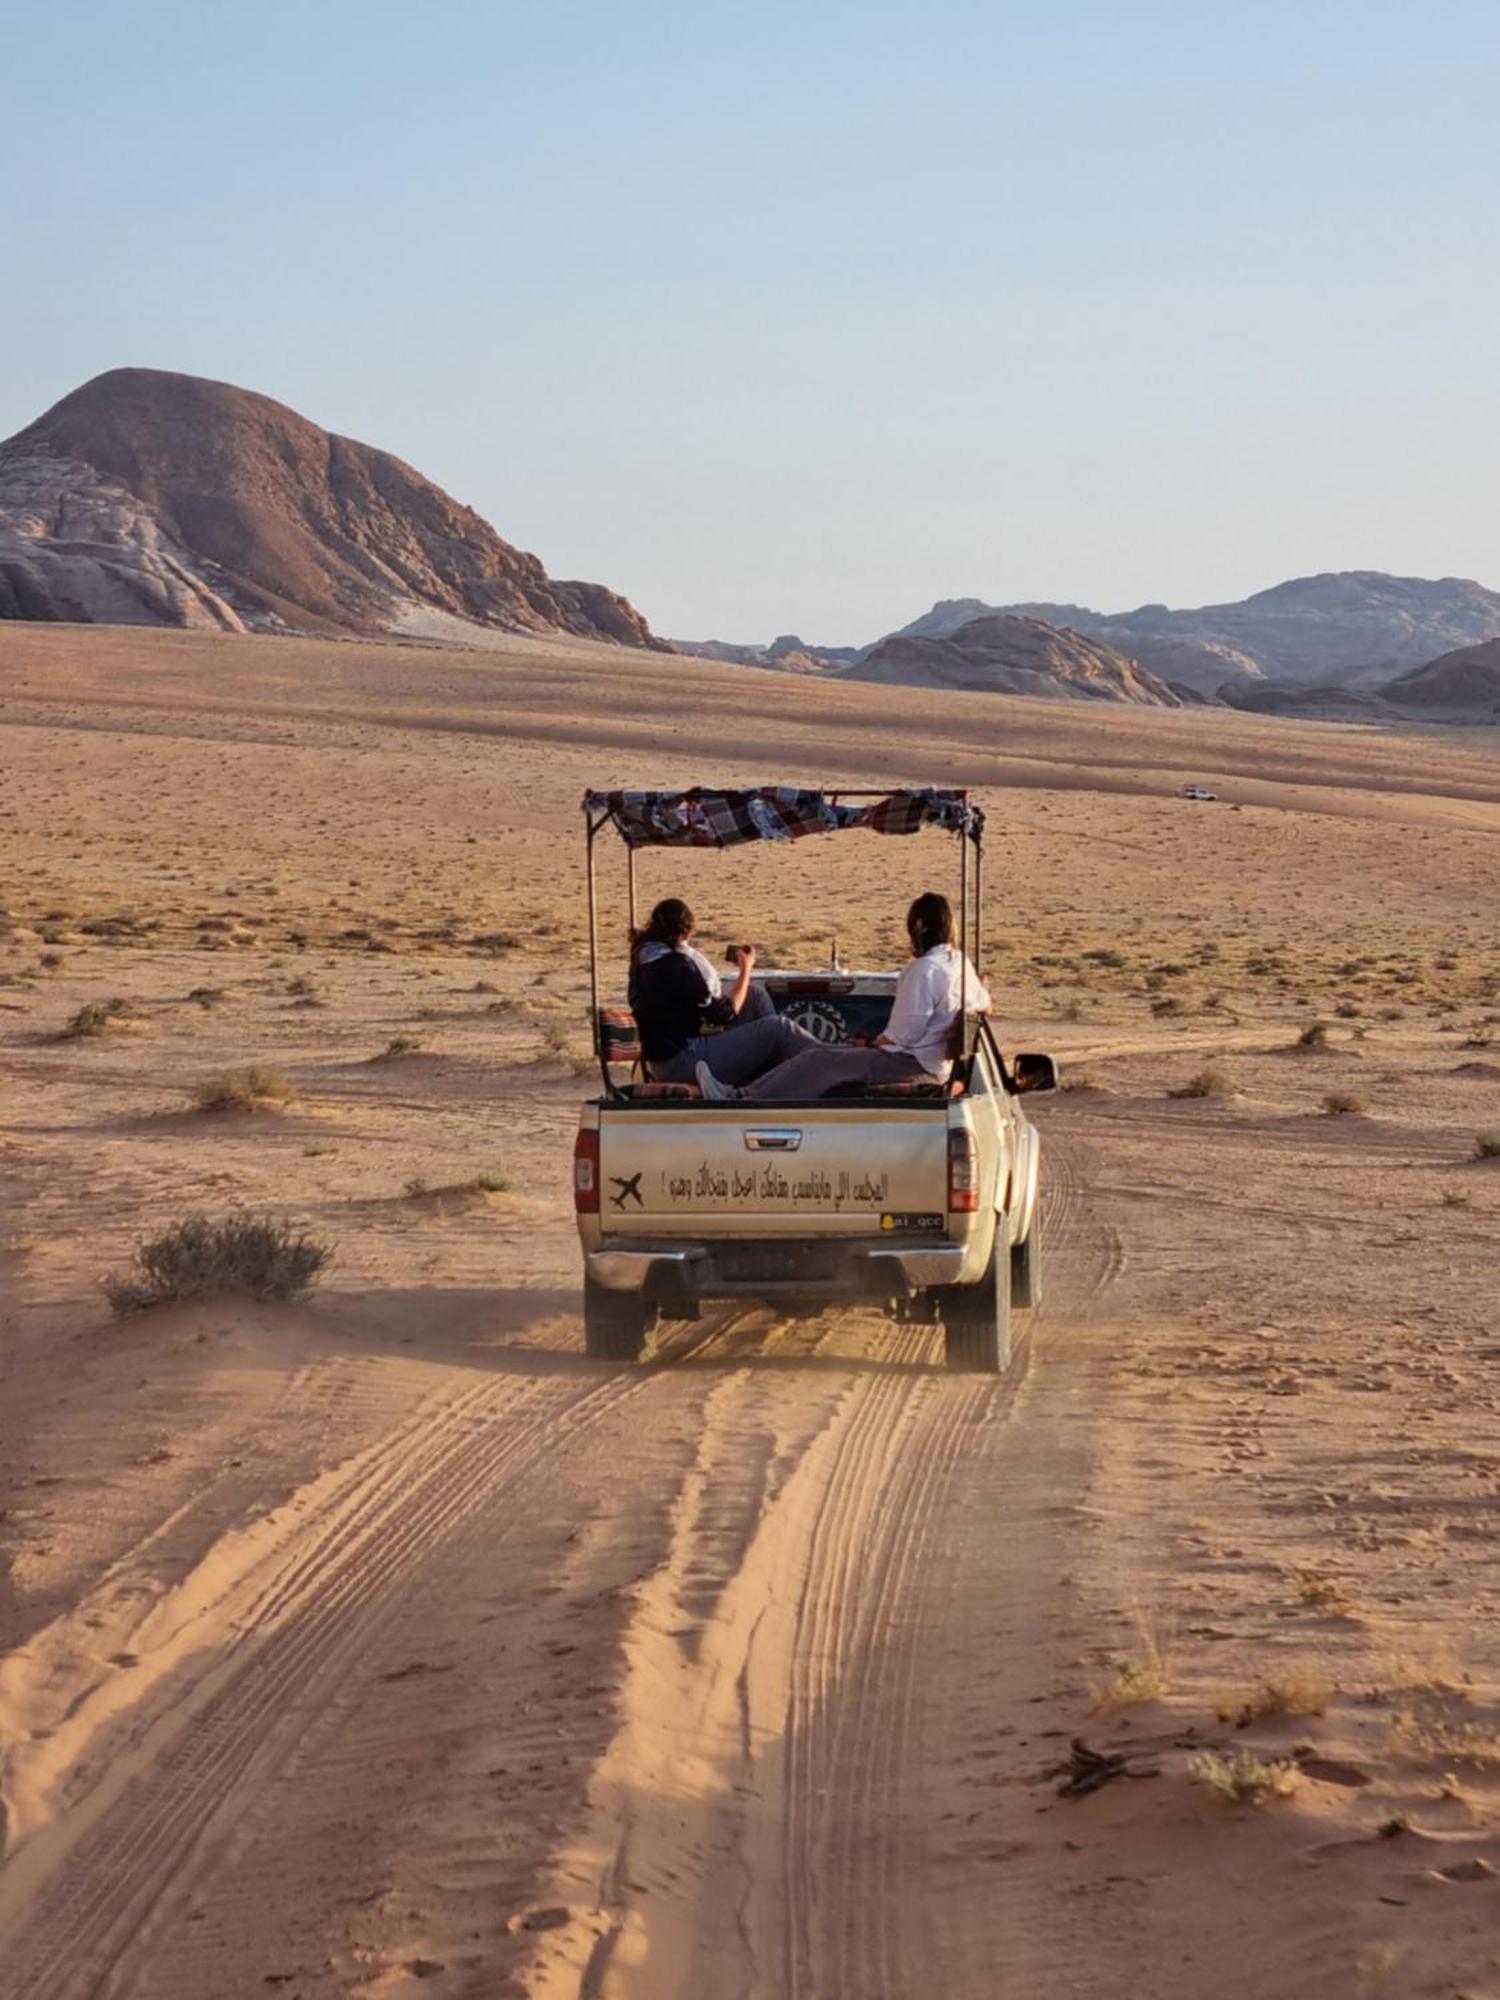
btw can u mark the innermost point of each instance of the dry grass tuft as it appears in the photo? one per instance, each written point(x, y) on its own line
point(397, 1046)
point(1243, 1779)
point(97, 1017)
point(1313, 1036)
point(1487, 1145)
point(256, 1087)
point(257, 1257)
point(1325, 1593)
point(1300, 1689)
point(1344, 1104)
point(1418, 1734)
point(1207, 1082)
point(1144, 1675)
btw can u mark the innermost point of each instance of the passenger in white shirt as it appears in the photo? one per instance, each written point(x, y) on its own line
point(916, 1043)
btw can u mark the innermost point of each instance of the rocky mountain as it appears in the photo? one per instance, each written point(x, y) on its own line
point(1000, 654)
point(791, 654)
point(161, 499)
point(1460, 686)
point(1349, 626)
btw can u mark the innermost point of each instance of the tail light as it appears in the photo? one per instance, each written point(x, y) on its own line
point(963, 1172)
point(586, 1173)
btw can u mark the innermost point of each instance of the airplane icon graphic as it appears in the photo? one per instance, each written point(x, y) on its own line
point(630, 1190)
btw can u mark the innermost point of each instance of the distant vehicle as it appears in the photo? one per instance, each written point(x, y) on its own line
point(919, 1198)
point(1198, 792)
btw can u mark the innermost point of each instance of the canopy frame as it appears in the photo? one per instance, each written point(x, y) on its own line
point(598, 815)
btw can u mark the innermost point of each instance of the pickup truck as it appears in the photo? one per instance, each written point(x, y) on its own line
point(917, 1199)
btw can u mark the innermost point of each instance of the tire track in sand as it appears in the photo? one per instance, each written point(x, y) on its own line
point(744, 1833)
point(114, 1812)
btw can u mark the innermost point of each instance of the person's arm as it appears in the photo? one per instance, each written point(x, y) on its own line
point(911, 1010)
point(744, 958)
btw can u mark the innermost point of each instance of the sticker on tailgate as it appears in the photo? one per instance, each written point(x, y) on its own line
point(770, 1184)
point(906, 1220)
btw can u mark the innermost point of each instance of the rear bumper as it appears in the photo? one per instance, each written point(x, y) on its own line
point(838, 1268)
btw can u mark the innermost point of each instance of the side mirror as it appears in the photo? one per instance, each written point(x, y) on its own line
point(1033, 1072)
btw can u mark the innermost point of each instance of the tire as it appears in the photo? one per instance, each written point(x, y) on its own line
point(615, 1324)
point(976, 1320)
point(1026, 1289)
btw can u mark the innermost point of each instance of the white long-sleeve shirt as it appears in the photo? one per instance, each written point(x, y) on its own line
point(927, 1003)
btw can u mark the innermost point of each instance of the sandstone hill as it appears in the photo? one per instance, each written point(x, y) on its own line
point(999, 654)
point(1353, 625)
point(162, 499)
point(1460, 686)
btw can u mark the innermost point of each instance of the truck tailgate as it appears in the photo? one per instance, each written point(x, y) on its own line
point(785, 1170)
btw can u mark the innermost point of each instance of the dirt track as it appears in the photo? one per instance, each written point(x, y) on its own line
point(387, 1646)
point(753, 1819)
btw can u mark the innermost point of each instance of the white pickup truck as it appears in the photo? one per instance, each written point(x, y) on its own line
point(919, 1200)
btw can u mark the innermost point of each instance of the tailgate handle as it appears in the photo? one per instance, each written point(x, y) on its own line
point(774, 1139)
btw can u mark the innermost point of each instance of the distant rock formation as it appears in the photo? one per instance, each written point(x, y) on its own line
point(1462, 686)
point(791, 654)
point(1311, 701)
point(999, 654)
point(153, 498)
point(1351, 625)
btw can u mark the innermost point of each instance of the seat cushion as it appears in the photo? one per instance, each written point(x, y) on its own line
point(619, 1037)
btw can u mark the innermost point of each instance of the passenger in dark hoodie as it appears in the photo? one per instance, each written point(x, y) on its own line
point(675, 994)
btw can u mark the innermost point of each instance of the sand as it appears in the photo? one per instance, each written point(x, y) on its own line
point(382, 1644)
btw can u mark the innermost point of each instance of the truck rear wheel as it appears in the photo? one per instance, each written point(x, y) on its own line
point(615, 1324)
point(1026, 1267)
point(976, 1320)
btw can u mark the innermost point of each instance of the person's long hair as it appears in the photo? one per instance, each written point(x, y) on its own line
point(668, 924)
point(929, 921)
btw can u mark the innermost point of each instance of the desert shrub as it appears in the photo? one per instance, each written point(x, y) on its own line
point(1347, 1011)
point(50, 961)
point(1344, 1104)
point(556, 1039)
point(1206, 1082)
point(1297, 1690)
point(1243, 1778)
point(1324, 1593)
point(496, 943)
point(1107, 957)
point(1313, 1036)
point(301, 988)
point(1454, 1741)
point(492, 1184)
point(1487, 1145)
point(256, 1257)
point(97, 1017)
point(256, 1087)
point(1144, 1675)
point(400, 1045)
point(1166, 1004)
point(207, 996)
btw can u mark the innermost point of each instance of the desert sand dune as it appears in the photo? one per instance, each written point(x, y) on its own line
point(383, 1644)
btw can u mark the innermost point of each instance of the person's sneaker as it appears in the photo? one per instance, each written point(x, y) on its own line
point(714, 1091)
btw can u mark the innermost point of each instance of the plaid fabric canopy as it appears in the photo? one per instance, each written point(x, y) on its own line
point(704, 817)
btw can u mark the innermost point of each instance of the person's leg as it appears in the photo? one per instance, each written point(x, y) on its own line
point(748, 1048)
point(738, 1053)
point(816, 1071)
point(759, 1006)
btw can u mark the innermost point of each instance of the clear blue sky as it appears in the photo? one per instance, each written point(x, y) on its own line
point(795, 317)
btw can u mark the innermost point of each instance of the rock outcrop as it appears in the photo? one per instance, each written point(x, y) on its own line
point(789, 653)
point(1462, 686)
point(999, 654)
point(1350, 625)
point(152, 498)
